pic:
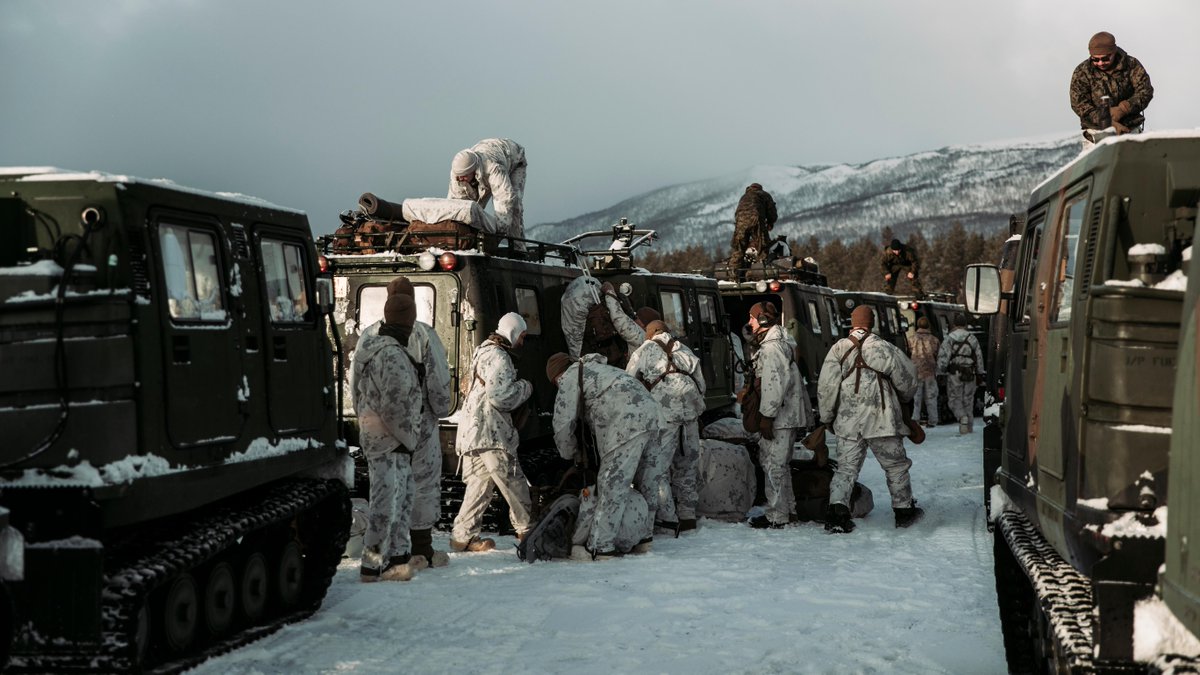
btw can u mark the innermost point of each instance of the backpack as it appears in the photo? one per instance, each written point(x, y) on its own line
point(916, 432)
point(600, 336)
point(551, 535)
point(669, 348)
point(965, 373)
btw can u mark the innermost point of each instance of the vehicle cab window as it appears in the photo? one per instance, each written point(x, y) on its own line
point(193, 277)
point(287, 294)
point(814, 317)
point(708, 314)
point(527, 307)
point(1064, 290)
point(672, 311)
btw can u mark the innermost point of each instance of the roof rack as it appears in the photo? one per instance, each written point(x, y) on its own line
point(362, 235)
point(623, 239)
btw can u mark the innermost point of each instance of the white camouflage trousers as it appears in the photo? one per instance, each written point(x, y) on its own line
point(483, 471)
point(653, 476)
point(889, 450)
point(618, 466)
point(927, 392)
point(389, 510)
point(517, 209)
point(678, 500)
point(960, 397)
point(427, 477)
point(773, 456)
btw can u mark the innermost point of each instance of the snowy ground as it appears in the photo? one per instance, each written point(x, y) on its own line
point(726, 599)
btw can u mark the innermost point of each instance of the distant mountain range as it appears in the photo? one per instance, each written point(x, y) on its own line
point(977, 185)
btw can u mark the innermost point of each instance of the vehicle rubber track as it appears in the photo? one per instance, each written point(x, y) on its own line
point(1065, 594)
point(135, 571)
point(1175, 664)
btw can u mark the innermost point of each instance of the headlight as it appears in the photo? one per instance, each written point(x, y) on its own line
point(426, 261)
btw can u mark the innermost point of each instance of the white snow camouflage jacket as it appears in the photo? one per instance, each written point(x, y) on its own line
point(866, 405)
point(426, 347)
point(577, 299)
point(387, 395)
point(960, 348)
point(486, 419)
point(679, 393)
point(498, 157)
point(616, 406)
point(783, 395)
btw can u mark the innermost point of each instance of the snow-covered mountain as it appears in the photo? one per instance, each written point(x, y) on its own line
point(977, 185)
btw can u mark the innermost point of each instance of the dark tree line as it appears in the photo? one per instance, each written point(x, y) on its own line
point(854, 265)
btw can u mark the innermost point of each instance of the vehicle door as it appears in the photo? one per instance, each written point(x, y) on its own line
point(201, 365)
point(714, 350)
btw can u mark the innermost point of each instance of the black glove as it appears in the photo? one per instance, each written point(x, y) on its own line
point(767, 428)
point(978, 380)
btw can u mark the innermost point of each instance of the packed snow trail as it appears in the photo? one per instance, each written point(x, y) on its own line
point(725, 599)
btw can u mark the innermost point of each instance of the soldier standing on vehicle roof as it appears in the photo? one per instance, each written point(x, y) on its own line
point(782, 405)
point(672, 374)
point(924, 349)
point(961, 360)
point(863, 381)
point(1110, 88)
point(387, 401)
point(752, 223)
point(487, 440)
point(626, 422)
point(493, 167)
point(896, 259)
point(425, 346)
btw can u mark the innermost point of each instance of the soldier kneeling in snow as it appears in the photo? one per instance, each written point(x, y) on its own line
point(625, 420)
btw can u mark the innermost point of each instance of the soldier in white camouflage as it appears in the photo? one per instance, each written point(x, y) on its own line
point(782, 411)
point(493, 167)
point(752, 223)
point(672, 374)
point(580, 295)
point(863, 381)
point(625, 420)
point(960, 359)
point(1109, 88)
point(487, 440)
point(388, 403)
point(425, 346)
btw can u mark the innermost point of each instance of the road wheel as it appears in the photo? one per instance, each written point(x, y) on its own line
point(180, 613)
point(220, 597)
point(254, 587)
point(290, 575)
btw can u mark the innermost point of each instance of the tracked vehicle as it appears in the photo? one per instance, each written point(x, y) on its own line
point(1080, 494)
point(465, 280)
point(170, 476)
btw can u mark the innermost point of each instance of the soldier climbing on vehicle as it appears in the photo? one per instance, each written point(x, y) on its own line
point(596, 321)
point(899, 258)
point(960, 359)
point(493, 167)
point(752, 223)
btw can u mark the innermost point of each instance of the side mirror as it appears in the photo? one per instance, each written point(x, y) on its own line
point(981, 285)
point(325, 295)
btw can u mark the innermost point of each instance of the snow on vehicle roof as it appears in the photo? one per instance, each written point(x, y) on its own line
point(52, 174)
point(1126, 138)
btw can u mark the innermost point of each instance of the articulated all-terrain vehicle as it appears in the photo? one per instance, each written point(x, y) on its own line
point(170, 475)
point(889, 324)
point(469, 279)
point(1082, 487)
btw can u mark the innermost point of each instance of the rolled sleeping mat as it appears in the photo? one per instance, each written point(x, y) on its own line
point(379, 209)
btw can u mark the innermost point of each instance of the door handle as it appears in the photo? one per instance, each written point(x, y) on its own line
point(279, 347)
point(181, 350)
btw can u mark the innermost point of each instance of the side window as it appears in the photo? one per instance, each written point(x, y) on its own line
point(672, 311)
point(370, 305)
point(425, 297)
point(708, 313)
point(814, 317)
point(194, 288)
point(1064, 276)
point(894, 317)
point(834, 318)
point(287, 293)
point(527, 307)
point(877, 327)
point(944, 324)
point(1033, 236)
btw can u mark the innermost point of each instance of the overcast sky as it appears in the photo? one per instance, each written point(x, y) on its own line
point(309, 103)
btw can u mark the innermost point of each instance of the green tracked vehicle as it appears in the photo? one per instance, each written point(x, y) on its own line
point(1080, 495)
point(170, 475)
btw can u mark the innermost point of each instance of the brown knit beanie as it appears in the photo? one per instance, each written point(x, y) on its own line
point(1102, 43)
point(400, 285)
point(862, 317)
point(400, 310)
point(557, 365)
point(922, 323)
point(766, 313)
point(654, 328)
point(647, 314)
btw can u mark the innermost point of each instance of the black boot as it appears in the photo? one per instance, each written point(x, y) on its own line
point(672, 526)
point(686, 524)
point(762, 523)
point(838, 520)
point(422, 544)
point(908, 516)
